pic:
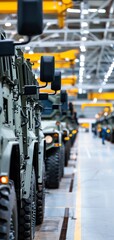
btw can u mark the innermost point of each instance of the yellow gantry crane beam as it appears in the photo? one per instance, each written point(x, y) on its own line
point(110, 105)
point(72, 91)
point(71, 80)
point(61, 64)
point(68, 55)
point(49, 7)
point(62, 59)
point(48, 90)
point(101, 96)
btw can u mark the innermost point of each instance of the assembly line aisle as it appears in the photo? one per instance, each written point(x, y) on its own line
point(95, 190)
point(88, 207)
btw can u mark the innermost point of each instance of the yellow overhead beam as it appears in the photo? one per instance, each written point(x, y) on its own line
point(101, 96)
point(62, 59)
point(61, 64)
point(47, 90)
point(71, 80)
point(84, 125)
point(96, 105)
point(49, 7)
point(72, 92)
point(8, 7)
point(68, 55)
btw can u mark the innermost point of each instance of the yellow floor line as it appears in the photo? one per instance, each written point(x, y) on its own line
point(77, 233)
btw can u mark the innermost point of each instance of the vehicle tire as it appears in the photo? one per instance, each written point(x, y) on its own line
point(67, 153)
point(8, 213)
point(40, 201)
point(62, 161)
point(52, 171)
point(28, 213)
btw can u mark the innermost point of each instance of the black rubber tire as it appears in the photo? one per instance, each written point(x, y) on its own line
point(40, 201)
point(67, 152)
point(62, 159)
point(27, 216)
point(52, 171)
point(8, 213)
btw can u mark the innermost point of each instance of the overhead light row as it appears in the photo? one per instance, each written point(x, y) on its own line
point(111, 68)
point(81, 70)
point(86, 11)
point(109, 72)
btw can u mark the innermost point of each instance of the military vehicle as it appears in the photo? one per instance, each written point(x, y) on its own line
point(21, 149)
point(22, 144)
point(53, 136)
point(70, 125)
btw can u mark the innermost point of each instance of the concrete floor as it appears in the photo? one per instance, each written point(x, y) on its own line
point(91, 203)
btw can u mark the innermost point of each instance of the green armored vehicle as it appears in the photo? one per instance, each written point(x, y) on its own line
point(22, 144)
point(53, 136)
point(69, 123)
point(22, 149)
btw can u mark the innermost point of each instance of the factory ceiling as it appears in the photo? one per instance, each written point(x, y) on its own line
point(87, 27)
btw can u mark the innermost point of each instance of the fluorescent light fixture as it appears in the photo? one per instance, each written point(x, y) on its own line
point(96, 21)
point(82, 64)
point(76, 60)
point(80, 76)
point(84, 31)
point(81, 73)
point(88, 76)
point(21, 40)
point(104, 83)
point(82, 57)
point(107, 75)
point(80, 80)
point(101, 11)
point(83, 38)
point(48, 23)
point(92, 10)
point(36, 76)
point(59, 47)
point(95, 100)
point(31, 52)
point(110, 71)
point(80, 91)
point(8, 24)
point(106, 80)
point(84, 91)
point(112, 9)
point(66, 59)
point(82, 68)
point(82, 48)
point(72, 10)
point(55, 35)
point(84, 24)
point(105, 114)
point(97, 116)
point(27, 48)
point(100, 90)
point(85, 11)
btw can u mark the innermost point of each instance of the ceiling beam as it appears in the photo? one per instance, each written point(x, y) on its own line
point(107, 26)
point(71, 44)
point(94, 86)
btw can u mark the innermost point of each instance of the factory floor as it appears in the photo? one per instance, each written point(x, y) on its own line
point(83, 207)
